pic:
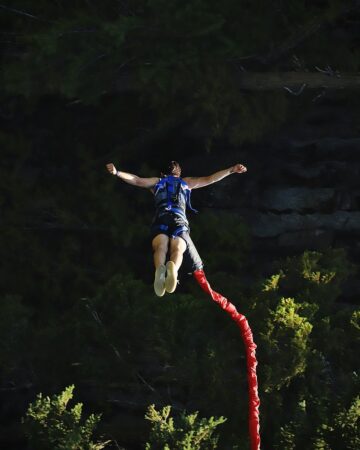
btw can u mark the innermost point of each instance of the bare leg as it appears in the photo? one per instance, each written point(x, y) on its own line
point(160, 245)
point(177, 248)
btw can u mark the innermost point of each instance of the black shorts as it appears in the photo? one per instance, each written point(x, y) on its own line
point(170, 224)
point(175, 226)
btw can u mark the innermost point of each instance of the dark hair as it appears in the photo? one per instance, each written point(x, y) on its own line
point(173, 168)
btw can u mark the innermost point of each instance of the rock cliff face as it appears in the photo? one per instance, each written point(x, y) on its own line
point(313, 197)
point(311, 205)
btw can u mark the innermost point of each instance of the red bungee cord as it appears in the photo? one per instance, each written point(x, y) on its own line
point(250, 346)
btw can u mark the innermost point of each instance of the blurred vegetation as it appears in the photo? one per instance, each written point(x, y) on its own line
point(125, 343)
point(181, 59)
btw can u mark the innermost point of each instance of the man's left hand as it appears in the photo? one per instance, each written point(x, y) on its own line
point(238, 168)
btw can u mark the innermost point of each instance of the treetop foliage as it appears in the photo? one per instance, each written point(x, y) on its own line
point(186, 432)
point(50, 424)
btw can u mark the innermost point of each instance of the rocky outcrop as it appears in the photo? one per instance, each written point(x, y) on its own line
point(307, 195)
point(297, 199)
point(274, 225)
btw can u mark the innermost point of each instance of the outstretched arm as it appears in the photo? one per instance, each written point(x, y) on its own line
point(132, 179)
point(199, 182)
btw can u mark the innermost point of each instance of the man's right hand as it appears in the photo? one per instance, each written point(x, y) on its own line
point(111, 168)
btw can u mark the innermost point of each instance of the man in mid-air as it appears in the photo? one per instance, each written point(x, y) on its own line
point(170, 227)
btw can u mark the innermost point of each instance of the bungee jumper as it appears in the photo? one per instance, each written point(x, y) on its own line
point(170, 229)
point(171, 240)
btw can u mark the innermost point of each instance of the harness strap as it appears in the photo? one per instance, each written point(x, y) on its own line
point(188, 201)
point(169, 189)
point(172, 194)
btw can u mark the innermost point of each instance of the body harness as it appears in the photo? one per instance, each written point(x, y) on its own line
point(172, 194)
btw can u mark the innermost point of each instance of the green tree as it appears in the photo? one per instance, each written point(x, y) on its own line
point(186, 432)
point(307, 353)
point(50, 424)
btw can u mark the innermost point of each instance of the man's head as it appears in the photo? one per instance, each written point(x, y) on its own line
point(172, 168)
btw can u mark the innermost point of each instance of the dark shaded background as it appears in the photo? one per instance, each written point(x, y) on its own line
point(273, 85)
